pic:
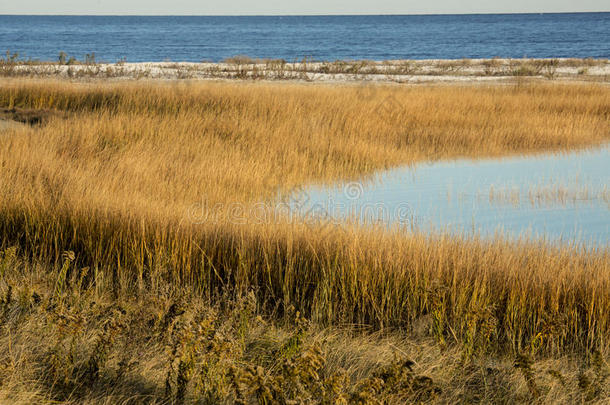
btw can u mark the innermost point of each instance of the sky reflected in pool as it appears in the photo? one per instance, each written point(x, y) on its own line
point(556, 197)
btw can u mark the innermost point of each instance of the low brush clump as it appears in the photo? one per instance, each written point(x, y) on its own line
point(71, 339)
point(73, 342)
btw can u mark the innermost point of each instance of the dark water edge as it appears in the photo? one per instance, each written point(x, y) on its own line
point(322, 38)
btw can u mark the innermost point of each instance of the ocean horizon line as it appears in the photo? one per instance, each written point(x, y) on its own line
point(307, 15)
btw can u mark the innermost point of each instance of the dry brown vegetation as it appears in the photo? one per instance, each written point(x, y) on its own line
point(68, 339)
point(116, 183)
point(30, 116)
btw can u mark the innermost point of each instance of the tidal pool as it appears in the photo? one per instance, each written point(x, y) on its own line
point(561, 197)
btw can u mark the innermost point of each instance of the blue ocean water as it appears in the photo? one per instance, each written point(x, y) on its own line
point(197, 38)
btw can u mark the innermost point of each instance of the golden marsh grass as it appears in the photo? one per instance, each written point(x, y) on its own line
point(116, 179)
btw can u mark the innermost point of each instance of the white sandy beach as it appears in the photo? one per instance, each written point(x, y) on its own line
point(421, 71)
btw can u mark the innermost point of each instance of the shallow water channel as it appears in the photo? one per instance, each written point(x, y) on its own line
point(561, 197)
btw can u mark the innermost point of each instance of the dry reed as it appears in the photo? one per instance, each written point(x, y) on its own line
point(117, 179)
